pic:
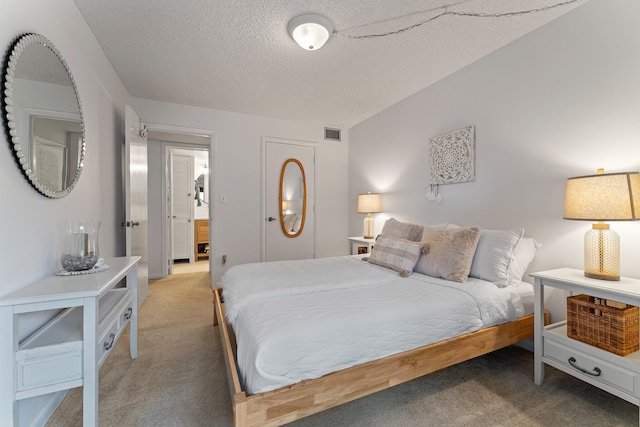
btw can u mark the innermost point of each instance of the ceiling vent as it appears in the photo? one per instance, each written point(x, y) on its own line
point(331, 134)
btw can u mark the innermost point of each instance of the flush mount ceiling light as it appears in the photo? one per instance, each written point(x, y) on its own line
point(310, 31)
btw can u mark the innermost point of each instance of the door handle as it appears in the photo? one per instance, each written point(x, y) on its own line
point(271, 219)
point(130, 224)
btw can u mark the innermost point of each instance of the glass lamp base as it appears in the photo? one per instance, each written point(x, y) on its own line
point(602, 253)
point(368, 227)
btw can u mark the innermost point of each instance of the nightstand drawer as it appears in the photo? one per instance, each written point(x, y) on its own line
point(576, 361)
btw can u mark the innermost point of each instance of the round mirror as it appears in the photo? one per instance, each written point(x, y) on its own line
point(293, 198)
point(43, 116)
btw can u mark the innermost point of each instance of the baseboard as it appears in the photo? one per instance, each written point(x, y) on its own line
point(526, 344)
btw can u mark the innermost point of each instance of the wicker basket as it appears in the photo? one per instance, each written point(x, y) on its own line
point(591, 321)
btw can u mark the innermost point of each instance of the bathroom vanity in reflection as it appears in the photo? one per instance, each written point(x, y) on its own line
point(67, 351)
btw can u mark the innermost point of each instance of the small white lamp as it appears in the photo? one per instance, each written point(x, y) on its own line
point(603, 197)
point(369, 203)
point(310, 31)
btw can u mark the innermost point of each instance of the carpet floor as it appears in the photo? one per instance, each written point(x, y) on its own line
point(179, 379)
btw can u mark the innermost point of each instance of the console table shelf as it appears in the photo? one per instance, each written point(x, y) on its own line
point(68, 350)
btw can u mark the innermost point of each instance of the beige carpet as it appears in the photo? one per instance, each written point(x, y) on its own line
point(179, 380)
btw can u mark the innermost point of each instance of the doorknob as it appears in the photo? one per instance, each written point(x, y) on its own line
point(271, 219)
point(134, 223)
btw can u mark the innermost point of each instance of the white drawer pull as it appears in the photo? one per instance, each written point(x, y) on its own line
point(108, 345)
point(596, 371)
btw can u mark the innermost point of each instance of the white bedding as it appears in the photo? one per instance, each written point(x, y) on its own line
point(306, 326)
point(247, 282)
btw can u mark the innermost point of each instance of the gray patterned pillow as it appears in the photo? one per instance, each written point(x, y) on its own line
point(397, 254)
point(448, 252)
point(402, 230)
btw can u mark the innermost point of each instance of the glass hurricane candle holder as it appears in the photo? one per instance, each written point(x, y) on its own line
point(78, 244)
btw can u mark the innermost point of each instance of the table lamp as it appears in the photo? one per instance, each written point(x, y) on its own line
point(369, 203)
point(603, 197)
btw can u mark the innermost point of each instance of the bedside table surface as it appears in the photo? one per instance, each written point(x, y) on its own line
point(572, 278)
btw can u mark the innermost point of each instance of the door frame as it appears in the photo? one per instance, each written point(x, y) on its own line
point(211, 134)
point(311, 144)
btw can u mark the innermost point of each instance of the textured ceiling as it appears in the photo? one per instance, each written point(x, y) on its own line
point(237, 55)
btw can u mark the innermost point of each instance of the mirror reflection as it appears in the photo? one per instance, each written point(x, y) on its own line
point(44, 116)
point(201, 194)
point(293, 200)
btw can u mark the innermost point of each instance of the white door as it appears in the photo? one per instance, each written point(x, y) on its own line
point(182, 193)
point(279, 246)
point(136, 213)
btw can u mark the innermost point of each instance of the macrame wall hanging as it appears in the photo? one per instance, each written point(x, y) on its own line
point(452, 158)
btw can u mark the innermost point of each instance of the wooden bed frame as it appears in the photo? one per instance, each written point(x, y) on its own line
point(289, 403)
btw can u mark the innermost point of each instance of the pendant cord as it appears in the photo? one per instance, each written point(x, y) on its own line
point(454, 13)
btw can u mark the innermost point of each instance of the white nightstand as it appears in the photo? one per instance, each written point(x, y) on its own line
point(615, 374)
point(360, 245)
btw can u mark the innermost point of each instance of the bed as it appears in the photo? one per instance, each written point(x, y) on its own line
point(300, 337)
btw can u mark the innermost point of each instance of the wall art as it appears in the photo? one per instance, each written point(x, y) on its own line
point(452, 158)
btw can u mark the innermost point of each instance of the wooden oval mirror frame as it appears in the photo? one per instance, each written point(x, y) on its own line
point(293, 198)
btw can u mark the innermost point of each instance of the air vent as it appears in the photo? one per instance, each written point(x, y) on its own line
point(332, 134)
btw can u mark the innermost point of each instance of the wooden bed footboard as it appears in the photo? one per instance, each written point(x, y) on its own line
point(287, 404)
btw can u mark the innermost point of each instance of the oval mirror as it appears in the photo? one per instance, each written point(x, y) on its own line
point(293, 198)
point(43, 115)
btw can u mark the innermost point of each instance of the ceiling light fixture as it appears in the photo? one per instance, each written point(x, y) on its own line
point(310, 31)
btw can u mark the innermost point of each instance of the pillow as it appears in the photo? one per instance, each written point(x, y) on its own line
point(397, 254)
point(522, 256)
point(402, 230)
point(493, 255)
point(448, 252)
point(289, 219)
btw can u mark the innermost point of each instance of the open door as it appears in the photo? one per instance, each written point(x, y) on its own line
point(136, 211)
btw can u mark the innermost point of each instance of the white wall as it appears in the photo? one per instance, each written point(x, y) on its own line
point(27, 219)
point(237, 173)
point(559, 102)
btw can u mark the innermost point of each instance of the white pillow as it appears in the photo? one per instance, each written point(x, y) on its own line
point(522, 256)
point(494, 254)
point(397, 254)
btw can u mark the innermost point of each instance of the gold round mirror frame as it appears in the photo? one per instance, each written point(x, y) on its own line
point(285, 219)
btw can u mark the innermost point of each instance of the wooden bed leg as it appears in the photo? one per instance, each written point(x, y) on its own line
point(240, 410)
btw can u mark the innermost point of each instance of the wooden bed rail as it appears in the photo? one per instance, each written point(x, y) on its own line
point(289, 403)
point(238, 397)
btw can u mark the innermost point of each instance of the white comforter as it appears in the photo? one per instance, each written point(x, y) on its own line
point(293, 333)
point(248, 282)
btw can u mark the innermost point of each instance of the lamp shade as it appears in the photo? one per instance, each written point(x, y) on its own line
point(603, 197)
point(369, 203)
point(310, 31)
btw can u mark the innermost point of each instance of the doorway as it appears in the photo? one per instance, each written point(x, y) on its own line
point(197, 146)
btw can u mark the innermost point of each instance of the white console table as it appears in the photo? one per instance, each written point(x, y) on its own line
point(68, 350)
